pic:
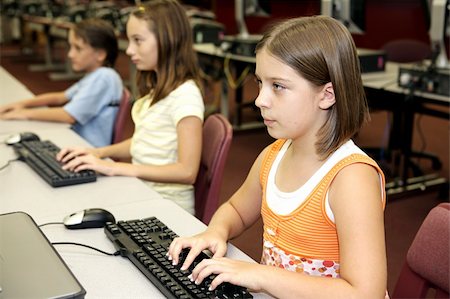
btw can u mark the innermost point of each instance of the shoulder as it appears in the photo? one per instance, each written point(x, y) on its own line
point(360, 181)
point(104, 73)
point(188, 88)
point(186, 97)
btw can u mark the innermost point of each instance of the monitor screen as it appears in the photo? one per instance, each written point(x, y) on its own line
point(439, 31)
point(350, 12)
point(243, 8)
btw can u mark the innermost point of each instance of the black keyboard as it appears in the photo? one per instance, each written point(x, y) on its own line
point(41, 157)
point(145, 243)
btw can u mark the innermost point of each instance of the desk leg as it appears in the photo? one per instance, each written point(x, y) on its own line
point(48, 65)
point(224, 108)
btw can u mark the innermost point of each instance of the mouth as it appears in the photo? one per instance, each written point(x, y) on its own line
point(268, 122)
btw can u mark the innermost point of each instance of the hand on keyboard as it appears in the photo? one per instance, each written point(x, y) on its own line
point(41, 157)
point(205, 240)
point(77, 159)
point(145, 243)
point(219, 272)
point(68, 153)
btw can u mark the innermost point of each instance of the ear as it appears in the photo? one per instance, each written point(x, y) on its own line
point(101, 55)
point(328, 98)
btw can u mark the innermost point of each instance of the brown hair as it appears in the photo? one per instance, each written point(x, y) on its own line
point(321, 50)
point(177, 61)
point(99, 34)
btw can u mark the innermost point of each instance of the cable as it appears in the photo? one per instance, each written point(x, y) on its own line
point(7, 163)
point(50, 223)
point(87, 246)
point(231, 82)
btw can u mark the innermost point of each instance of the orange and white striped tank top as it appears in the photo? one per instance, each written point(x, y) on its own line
point(305, 239)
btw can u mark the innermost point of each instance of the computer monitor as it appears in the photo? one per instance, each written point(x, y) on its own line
point(439, 32)
point(350, 12)
point(243, 8)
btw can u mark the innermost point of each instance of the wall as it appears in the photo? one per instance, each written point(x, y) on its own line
point(385, 19)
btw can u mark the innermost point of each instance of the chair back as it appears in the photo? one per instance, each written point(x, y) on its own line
point(217, 136)
point(123, 126)
point(407, 50)
point(427, 262)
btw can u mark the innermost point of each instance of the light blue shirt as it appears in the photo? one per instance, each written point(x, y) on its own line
point(93, 103)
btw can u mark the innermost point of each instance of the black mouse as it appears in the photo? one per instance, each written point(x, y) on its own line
point(19, 137)
point(88, 218)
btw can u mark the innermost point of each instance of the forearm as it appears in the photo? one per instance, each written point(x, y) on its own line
point(226, 222)
point(282, 283)
point(171, 173)
point(45, 99)
point(49, 114)
point(115, 151)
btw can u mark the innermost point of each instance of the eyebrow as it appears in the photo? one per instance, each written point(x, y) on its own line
point(286, 80)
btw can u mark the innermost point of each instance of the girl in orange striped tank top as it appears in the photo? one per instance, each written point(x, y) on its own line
point(321, 198)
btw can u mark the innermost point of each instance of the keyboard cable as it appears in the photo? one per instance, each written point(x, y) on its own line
point(78, 244)
point(7, 163)
point(87, 246)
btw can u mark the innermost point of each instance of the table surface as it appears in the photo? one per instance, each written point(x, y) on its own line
point(126, 197)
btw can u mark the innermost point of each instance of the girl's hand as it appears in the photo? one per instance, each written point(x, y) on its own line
point(236, 272)
point(67, 154)
point(206, 240)
point(89, 161)
point(10, 107)
point(14, 114)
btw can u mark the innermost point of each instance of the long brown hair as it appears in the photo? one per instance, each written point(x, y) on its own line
point(177, 61)
point(322, 50)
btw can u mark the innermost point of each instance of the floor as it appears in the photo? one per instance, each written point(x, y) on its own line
point(403, 216)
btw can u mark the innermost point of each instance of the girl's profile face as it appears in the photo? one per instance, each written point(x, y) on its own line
point(289, 103)
point(83, 57)
point(142, 44)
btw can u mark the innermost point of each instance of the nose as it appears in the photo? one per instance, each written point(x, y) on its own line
point(129, 50)
point(262, 100)
point(70, 53)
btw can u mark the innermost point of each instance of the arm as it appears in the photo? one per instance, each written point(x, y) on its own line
point(45, 114)
point(184, 171)
point(19, 109)
point(45, 99)
point(355, 199)
point(232, 218)
point(115, 151)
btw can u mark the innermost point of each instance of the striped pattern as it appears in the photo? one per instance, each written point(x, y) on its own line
point(307, 231)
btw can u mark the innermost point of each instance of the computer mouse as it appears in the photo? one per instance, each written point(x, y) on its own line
point(88, 218)
point(19, 137)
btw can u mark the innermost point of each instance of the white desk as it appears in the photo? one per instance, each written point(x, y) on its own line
point(21, 189)
point(115, 277)
point(127, 198)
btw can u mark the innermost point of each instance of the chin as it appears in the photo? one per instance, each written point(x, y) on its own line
point(277, 134)
point(76, 69)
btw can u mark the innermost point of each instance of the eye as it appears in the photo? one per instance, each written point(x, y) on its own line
point(258, 82)
point(277, 86)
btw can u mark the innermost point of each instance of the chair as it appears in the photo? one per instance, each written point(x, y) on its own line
point(217, 136)
point(427, 261)
point(407, 50)
point(123, 126)
point(404, 51)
